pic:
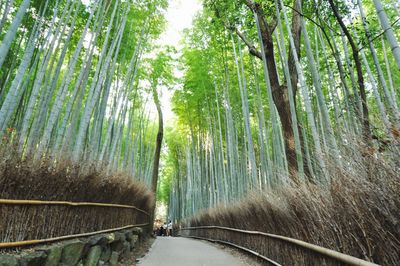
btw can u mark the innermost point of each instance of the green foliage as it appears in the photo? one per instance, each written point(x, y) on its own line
point(161, 69)
point(171, 157)
point(104, 84)
point(209, 97)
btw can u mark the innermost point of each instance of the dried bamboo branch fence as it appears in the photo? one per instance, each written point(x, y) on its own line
point(259, 244)
point(26, 208)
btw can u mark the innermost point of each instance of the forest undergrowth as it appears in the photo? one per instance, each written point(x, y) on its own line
point(50, 180)
point(357, 214)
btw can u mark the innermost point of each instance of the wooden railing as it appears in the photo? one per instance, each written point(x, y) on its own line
point(239, 238)
point(68, 203)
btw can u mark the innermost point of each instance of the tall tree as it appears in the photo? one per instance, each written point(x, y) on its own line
point(160, 77)
point(279, 89)
point(358, 65)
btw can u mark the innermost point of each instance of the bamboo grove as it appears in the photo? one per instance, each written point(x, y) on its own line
point(279, 93)
point(72, 81)
point(273, 93)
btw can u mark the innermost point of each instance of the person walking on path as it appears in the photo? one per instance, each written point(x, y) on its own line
point(169, 228)
point(165, 229)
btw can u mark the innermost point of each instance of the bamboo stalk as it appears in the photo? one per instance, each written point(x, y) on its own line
point(318, 249)
point(67, 203)
point(54, 239)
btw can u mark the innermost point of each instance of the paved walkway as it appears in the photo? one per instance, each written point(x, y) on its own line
point(178, 251)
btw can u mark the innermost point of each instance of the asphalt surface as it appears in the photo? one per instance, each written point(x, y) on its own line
point(178, 251)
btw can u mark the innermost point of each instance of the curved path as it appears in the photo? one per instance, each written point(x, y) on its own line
point(180, 251)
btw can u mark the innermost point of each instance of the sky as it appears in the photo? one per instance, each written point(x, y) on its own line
point(179, 16)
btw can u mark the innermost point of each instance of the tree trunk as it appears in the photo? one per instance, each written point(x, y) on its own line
point(361, 85)
point(280, 92)
point(306, 97)
point(157, 153)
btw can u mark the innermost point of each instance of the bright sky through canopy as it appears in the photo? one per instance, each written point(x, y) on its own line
point(179, 16)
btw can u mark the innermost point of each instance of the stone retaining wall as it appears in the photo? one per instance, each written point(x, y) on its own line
point(103, 249)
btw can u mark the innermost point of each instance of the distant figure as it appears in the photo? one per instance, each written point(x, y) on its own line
point(169, 228)
point(165, 229)
point(161, 231)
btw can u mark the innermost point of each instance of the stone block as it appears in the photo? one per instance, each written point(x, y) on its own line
point(137, 231)
point(8, 260)
point(135, 238)
point(119, 237)
point(98, 240)
point(106, 253)
point(117, 246)
point(126, 251)
point(93, 256)
point(114, 259)
point(85, 250)
point(132, 245)
point(37, 258)
point(53, 256)
point(72, 252)
point(128, 235)
point(110, 238)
